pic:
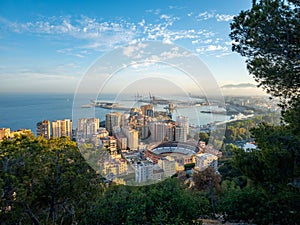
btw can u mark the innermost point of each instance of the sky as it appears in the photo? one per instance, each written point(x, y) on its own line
point(49, 46)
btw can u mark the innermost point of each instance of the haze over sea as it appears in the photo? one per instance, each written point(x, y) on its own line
point(23, 111)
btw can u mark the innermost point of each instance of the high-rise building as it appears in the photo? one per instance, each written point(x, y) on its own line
point(121, 140)
point(144, 131)
point(183, 121)
point(62, 128)
point(132, 137)
point(169, 132)
point(124, 119)
point(158, 131)
point(112, 120)
point(43, 129)
point(87, 127)
point(180, 134)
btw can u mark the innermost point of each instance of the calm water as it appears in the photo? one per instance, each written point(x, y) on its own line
point(19, 111)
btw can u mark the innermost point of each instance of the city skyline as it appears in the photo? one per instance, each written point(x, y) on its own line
point(48, 47)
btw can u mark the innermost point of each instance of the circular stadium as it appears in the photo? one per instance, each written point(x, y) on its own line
point(182, 152)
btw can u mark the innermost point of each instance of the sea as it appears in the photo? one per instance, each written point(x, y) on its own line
point(24, 111)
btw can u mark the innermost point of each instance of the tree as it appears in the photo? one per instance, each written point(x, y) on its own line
point(208, 181)
point(243, 205)
point(268, 36)
point(44, 181)
point(163, 203)
point(203, 136)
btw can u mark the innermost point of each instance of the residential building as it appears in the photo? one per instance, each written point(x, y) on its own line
point(169, 132)
point(110, 143)
point(62, 128)
point(43, 129)
point(143, 171)
point(180, 133)
point(102, 132)
point(87, 127)
point(124, 119)
point(205, 160)
point(132, 136)
point(183, 121)
point(158, 131)
point(112, 120)
point(114, 167)
point(168, 164)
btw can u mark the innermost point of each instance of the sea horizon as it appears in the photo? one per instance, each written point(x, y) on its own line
point(25, 110)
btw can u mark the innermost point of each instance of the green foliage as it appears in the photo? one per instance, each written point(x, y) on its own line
point(240, 130)
point(44, 181)
point(268, 35)
point(244, 204)
point(271, 191)
point(252, 204)
point(163, 203)
point(203, 136)
point(208, 181)
point(278, 157)
point(48, 182)
point(292, 118)
point(228, 150)
point(232, 174)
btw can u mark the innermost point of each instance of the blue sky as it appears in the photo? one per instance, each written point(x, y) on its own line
point(47, 46)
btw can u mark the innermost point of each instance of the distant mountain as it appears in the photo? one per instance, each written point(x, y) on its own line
point(242, 85)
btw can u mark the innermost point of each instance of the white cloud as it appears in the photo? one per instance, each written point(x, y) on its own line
point(212, 48)
point(203, 41)
point(207, 41)
point(224, 17)
point(164, 16)
point(98, 35)
point(132, 50)
point(215, 48)
point(205, 15)
point(142, 23)
point(212, 14)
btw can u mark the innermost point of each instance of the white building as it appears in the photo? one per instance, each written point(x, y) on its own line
point(132, 136)
point(62, 128)
point(87, 127)
point(143, 171)
point(158, 132)
point(183, 121)
point(124, 119)
point(168, 164)
point(180, 133)
point(205, 160)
